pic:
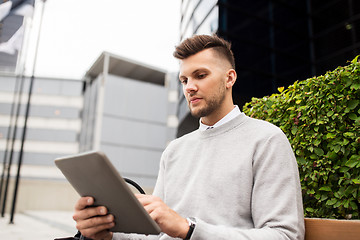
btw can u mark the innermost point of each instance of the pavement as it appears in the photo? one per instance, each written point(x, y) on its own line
point(37, 225)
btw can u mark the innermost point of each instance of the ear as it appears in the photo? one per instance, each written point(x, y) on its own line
point(230, 78)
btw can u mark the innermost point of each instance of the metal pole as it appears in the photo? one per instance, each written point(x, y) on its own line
point(8, 138)
point(12, 148)
point(26, 118)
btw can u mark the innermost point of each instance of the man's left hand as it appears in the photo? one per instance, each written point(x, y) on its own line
point(169, 221)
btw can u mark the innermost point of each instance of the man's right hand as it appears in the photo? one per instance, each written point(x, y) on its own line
point(93, 222)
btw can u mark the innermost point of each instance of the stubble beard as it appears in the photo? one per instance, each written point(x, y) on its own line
point(212, 104)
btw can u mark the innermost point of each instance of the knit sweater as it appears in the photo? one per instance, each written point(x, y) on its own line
point(239, 181)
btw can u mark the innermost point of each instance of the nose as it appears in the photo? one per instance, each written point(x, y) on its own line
point(190, 86)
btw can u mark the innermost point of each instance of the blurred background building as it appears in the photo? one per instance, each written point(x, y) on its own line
point(53, 128)
point(275, 42)
point(126, 115)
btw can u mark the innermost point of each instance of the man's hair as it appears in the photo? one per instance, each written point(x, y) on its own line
point(197, 43)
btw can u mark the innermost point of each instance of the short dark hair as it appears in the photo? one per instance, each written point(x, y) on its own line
point(197, 43)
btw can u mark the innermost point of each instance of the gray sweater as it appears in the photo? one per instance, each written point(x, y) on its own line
point(239, 181)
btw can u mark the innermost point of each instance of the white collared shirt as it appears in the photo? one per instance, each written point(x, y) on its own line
point(231, 115)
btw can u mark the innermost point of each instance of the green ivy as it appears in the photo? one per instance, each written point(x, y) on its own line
point(321, 118)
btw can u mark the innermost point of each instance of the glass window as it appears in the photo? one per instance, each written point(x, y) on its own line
point(184, 5)
point(211, 23)
point(202, 11)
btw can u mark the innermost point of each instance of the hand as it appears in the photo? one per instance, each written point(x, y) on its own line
point(168, 220)
point(93, 222)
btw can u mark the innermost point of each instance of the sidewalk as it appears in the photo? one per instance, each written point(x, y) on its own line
point(37, 225)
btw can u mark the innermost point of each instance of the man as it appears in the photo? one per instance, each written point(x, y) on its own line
point(236, 177)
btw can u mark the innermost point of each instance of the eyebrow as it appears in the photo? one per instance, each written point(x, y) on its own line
point(194, 72)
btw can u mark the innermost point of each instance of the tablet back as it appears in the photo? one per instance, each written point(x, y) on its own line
point(92, 174)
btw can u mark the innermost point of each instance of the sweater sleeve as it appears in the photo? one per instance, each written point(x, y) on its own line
point(159, 186)
point(276, 202)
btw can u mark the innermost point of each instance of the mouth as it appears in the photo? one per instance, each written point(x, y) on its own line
point(194, 100)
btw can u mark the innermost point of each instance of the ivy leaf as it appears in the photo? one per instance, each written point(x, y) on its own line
point(312, 191)
point(308, 209)
point(337, 148)
point(353, 205)
point(311, 148)
point(331, 201)
point(330, 113)
point(332, 155)
point(301, 160)
point(348, 134)
point(351, 164)
point(319, 151)
point(330, 135)
point(356, 181)
point(317, 142)
point(324, 197)
point(352, 104)
point(294, 130)
point(355, 86)
point(355, 59)
point(353, 116)
point(353, 161)
point(325, 188)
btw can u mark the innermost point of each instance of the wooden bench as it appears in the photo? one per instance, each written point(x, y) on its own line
point(329, 229)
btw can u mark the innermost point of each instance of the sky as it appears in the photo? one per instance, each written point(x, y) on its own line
point(75, 32)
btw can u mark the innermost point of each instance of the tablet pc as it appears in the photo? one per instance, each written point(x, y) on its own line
point(92, 174)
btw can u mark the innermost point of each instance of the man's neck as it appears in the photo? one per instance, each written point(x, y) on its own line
point(217, 115)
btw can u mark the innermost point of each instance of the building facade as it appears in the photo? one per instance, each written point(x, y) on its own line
point(275, 42)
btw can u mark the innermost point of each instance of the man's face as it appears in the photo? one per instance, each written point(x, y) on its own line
point(203, 77)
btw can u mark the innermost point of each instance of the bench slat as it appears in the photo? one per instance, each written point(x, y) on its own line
point(329, 229)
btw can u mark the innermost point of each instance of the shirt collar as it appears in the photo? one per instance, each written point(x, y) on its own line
point(231, 115)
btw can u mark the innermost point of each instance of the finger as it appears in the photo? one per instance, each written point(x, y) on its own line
point(89, 213)
point(141, 197)
point(98, 232)
point(83, 202)
point(149, 208)
point(154, 215)
point(95, 224)
point(147, 199)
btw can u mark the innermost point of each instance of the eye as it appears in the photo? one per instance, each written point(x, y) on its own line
point(183, 81)
point(201, 76)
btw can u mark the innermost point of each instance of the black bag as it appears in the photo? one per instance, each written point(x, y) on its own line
point(77, 236)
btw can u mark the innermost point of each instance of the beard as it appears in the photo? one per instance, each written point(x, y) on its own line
point(213, 103)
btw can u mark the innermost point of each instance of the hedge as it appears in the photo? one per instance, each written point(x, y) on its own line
point(321, 118)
